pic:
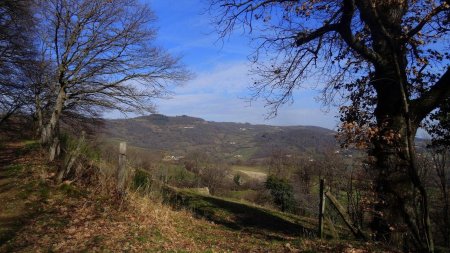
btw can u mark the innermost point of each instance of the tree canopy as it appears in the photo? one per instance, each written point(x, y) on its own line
point(15, 37)
point(102, 56)
point(340, 44)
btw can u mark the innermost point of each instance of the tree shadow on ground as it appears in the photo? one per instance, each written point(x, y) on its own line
point(240, 216)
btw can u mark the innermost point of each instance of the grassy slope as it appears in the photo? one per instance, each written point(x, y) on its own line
point(238, 215)
point(75, 217)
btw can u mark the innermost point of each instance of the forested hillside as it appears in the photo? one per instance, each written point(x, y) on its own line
point(181, 134)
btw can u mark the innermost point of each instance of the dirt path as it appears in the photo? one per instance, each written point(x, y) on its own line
point(16, 204)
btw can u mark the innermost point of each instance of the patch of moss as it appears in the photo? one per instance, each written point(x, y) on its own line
point(71, 191)
point(13, 169)
point(27, 190)
point(157, 235)
point(44, 190)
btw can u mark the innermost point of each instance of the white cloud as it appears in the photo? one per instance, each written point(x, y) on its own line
point(217, 95)
point(228, 78)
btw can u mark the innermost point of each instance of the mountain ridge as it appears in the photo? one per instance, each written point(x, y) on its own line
point(180, 135)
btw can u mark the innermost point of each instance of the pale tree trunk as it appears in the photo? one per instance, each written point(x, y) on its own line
point(39, 116)
point(50, 132)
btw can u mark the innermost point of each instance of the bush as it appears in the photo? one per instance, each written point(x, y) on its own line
point(282, 193)
point(141, 180)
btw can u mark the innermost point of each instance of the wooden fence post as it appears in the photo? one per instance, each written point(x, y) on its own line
point(341, 210)
point(121, 173)
point(321, 207)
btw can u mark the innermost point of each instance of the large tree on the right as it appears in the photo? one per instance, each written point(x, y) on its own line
point(388, 58)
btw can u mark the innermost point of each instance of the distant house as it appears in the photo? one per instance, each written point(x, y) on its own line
point(172, 158)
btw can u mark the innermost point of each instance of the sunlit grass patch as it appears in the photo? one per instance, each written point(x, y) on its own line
point(26, 147)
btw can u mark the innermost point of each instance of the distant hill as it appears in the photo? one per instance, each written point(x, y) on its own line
point(182, 134)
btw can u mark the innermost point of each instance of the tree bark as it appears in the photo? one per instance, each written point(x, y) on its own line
point(50, 132)
point(398, 179)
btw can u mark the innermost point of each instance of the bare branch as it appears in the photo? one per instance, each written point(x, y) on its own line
point(423, 105)
point(443, 7)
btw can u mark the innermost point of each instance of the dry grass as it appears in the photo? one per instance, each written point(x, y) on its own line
point(85, 216)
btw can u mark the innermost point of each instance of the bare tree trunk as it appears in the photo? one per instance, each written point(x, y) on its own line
point(50, 132)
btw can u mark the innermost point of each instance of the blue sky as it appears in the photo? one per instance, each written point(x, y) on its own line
point(218, 91)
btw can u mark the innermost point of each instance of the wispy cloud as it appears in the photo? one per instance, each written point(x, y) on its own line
point(220, 95)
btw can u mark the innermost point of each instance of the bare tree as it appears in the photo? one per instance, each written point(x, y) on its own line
point(210, 171)
point(214, 175)
point(386, 58)
point(15, 37)
point(281, 163)
point(103, 58)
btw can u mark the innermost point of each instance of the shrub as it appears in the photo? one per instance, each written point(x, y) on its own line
point(282, 193)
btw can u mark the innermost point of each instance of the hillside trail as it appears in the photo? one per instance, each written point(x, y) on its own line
point(14, 208)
